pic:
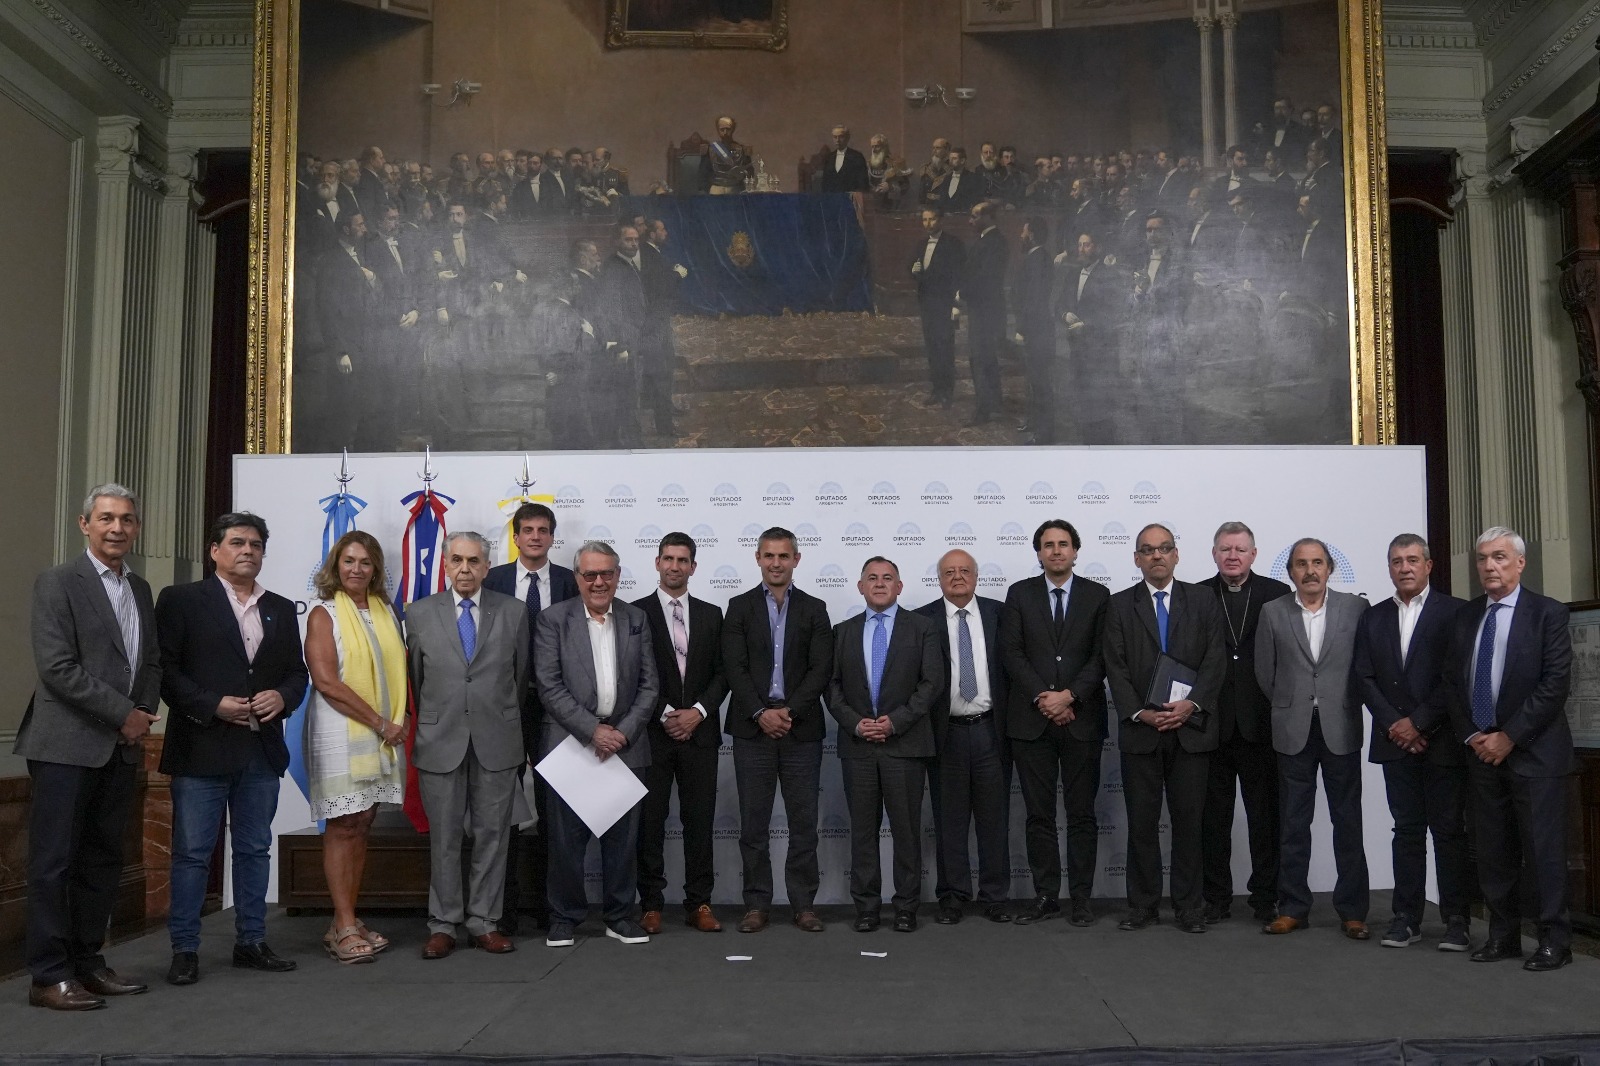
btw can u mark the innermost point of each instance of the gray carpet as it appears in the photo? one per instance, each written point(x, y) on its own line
point(972, 988)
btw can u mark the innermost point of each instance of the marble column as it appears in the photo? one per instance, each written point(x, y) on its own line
point(1208, 94)
point(1230, 79)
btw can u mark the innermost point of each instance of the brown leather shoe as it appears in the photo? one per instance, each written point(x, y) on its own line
point(651, 922)
point(808, 921)
point(1283, 924)
point(1356, 930)
point(702, 919)
point(106, 982)
point(494, 942)
point(439, 946)
point(64, 995)
point(753, 921)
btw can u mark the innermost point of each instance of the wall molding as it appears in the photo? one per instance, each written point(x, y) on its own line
point(155, 97)
point(1544, 59)
point(1430, 36)
point(1501, 12)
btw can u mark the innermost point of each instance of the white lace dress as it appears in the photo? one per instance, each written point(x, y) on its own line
point(327, 747)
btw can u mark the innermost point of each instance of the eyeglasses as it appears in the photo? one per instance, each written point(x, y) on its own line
point(1147, 550)
point(598, 575)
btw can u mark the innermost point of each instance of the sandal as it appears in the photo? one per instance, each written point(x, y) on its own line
point(347, 945)
point(378, 941)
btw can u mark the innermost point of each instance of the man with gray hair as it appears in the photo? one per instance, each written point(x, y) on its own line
point(1508, 674)
point(1303, 652)
point(468, 652)
point(94, 647)
point(597, 679)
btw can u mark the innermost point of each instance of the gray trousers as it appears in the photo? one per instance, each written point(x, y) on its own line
point(871, 787)
point(468, 800)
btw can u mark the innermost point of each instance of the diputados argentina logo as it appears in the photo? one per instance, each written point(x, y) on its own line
point(883, 494)
point(1145, 492)
point(831, 576)
point(806, 536)
point(725, 577)
point(620, 496)
point(703, 536)
point(930, 576)
point(1012, 535)
point(831, 494)
point(672, 496)
point(750, 536)
point(569, 496)
point(777, 495)
point(726, 495)
point(937, 492)
point(1093, 492)
point(856, 535)
point(988, 494)
point(1040, 492)
point(991, 576)
point(1115, 533)
point(909, 535)
point(1096, 572)
point(649, 537)
point(961, 536)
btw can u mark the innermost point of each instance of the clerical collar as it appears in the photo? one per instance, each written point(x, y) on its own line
point(1235, 588)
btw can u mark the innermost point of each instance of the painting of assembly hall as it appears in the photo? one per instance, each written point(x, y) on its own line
point(918, 222)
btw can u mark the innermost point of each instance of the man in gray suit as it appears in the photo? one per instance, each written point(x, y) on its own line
point(1304, 647)
point(94, 646)
point(597, 680)
point(468, 652)
point(888, 670)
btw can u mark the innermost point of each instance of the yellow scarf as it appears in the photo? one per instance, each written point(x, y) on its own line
point(360, 672)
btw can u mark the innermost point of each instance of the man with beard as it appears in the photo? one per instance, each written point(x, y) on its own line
point(1287, 137)
point(324, 221)
point(1087, 211)
point(931, 175)
point(540, 196)
point(1237, 177)
point(961, 188)
point(609, 181)
point(844, 169)
point(886, 175)
point(371, 196)
point(994, 181)
point(1043, 190)
point(727, 164)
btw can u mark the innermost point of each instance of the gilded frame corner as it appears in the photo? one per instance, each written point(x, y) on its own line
point(619, 36)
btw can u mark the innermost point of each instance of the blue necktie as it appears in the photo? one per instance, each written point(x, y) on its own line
point(534, 606)
point(969, 673)
point(468, 630)
point(1161, 619)
point(880, 653)
point(1483, 676)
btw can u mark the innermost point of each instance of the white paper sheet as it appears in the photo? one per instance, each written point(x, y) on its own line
point(598, 792)
point(1180, 691)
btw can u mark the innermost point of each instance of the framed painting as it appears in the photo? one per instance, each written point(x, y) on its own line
point(909, 223)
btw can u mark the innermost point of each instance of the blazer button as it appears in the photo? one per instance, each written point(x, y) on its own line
point(1058, 658)
point(469, 679)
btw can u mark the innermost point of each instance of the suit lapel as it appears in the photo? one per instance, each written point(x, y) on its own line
point(897, 641)
point(218, 594)
point(1520, 638)
point(1388, 626)
point(1297, 623)
point(95, 588)
point(1147, 614)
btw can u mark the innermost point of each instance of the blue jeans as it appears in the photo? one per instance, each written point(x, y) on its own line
point(250, 798)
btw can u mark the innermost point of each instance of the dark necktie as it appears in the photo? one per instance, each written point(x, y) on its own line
point(535, 605)
point(1483, 675)
point(1059, 612)
point(1162, 619)
point(968, 683)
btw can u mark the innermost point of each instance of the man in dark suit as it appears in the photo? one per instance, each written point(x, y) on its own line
point(538, 583)
point(1165, 737)
point(983, 293)
point(777, 653)
point(1036, 322)
point(938, 270)
point(685, 732)
point(405, 303)
point(844, 169)
point(887, 672)
point(960, 188)
point(658, 353)
point(970, 777)
point(539, 196)
point(347, 306)
point(371, 195)
point(603, 690)
point(1056, 716)
point(1305, 644)
point(1243, 763)
point(1507, 679)
point(231, 671)
point(1287, 137)
point(1319, 272)
point(1091, 301)
point(94, 647)
point(1401, 647)
point(621, 317)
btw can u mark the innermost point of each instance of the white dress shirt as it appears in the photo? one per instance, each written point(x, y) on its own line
point(984, 700)
point(1408, 613)
point(838, 160)
point(603, 643)
point(1502, 635)
point(524, 575)
point(927, 253)
point(248, 615)
point(1316, 623)
point(120, 593)
point(666, 610)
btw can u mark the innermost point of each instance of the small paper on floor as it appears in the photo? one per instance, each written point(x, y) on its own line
point(876, 954)
point(740, 958)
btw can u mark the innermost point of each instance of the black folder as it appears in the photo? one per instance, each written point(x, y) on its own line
point(1169, 670)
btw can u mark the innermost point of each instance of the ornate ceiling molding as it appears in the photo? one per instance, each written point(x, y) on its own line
point(1583, 22)
point(57, 18)
point(1499, 13)
point(1426, 35)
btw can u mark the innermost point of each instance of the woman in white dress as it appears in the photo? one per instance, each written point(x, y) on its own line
point(354, 726)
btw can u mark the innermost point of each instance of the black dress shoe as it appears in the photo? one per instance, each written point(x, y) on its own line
point(260, 957)
point(1264, 912)
point(997, 912)
point(949, 914)
point(1192, 923)
point(867, 923)
point(1137, 920)
point(1220, 912)
point(106, 982)
point(1041, 909)
point(1494, 950)
point(1546, 958)
point(906, 922)
point(185, 968)
point(1080, 914)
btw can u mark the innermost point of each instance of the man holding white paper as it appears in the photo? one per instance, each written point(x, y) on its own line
point(1163, 627)
point(597, 680)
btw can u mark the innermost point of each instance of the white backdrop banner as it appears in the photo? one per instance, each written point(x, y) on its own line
point(911, 505)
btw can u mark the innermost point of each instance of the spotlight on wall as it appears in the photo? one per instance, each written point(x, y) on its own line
point(459, 89)
point(935, 93)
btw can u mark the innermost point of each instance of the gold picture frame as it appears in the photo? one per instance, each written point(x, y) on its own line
point(269, 415)
point(622, 31)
